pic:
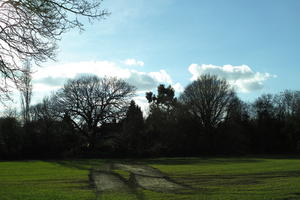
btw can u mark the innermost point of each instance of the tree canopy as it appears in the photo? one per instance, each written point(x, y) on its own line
point(208, 98)
point(30, 29)
point(89, 102)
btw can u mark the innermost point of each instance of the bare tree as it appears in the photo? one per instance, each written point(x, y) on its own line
point(208, 99)
point(89, 102)
point(288, 103)
point(264, 107)
point(29, 29)
point(26, 92)
point(43, 111)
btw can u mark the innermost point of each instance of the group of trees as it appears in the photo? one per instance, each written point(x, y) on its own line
point(92, 116)
point(80, 112)
point(209, 118)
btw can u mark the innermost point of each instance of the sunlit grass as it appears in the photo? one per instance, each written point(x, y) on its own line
point(207, 178)
point(38, 180)
point(224, 178)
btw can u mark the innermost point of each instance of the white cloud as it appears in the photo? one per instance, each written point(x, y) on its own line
point(162, 76)
point(51, 78)
point(178, 88)
point(242, 77)
point(142, 102)
point(133, 62)
point(71, 70)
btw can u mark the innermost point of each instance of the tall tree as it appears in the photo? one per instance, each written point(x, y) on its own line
point(161, 129)
point(268, 125)
point(90, 102)
point(164, 100)
point(43, 111)
point(26, 92)
point(207, 99)
point(133, 128)
point(264, 107)
point(29, 29)
point(236, 131)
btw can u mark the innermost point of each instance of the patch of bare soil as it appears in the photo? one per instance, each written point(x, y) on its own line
point(158, 184)
point(142, 176)
point(139, 169)
point(108, 181)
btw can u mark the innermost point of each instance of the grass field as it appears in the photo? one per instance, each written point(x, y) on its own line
point(209, 178)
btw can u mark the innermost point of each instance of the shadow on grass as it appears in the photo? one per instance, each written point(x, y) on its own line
point(205, 183)
point(84, 164)
point(87, 164)
point(196, 160)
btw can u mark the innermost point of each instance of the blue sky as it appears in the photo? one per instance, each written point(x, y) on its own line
point(254, 44)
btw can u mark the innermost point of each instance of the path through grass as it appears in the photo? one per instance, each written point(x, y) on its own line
point(210, 178)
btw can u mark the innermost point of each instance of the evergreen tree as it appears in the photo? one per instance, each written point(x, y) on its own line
point(133, 127)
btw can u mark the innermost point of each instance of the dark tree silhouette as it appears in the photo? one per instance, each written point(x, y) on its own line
point(43, 111)
point(291, 105)
point(94, 114)
point(234, 135)
point(264, 107)
point(29, 29)
point(165, 99)
point(161, 128)
point(207, 99)
point(10, 138)
point(132, 136)
point(268, 138)
point(90, 102)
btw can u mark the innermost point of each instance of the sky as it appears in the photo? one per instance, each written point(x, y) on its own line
point(253, 44)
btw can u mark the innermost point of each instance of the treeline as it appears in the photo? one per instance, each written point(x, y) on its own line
point(96, 117)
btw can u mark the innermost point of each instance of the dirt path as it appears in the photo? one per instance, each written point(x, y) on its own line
point(143, 170)
point(142, 176)
point(158, 184)
point(108, 181)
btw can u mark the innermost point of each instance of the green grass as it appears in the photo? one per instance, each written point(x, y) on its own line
point(38, 180)
point(123, 173)
point(240, 178)
point(209, 178)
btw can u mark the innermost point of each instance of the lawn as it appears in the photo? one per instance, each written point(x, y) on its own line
point(208, 178)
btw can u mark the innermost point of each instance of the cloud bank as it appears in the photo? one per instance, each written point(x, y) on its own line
point(53, 77)
point(242, 77)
